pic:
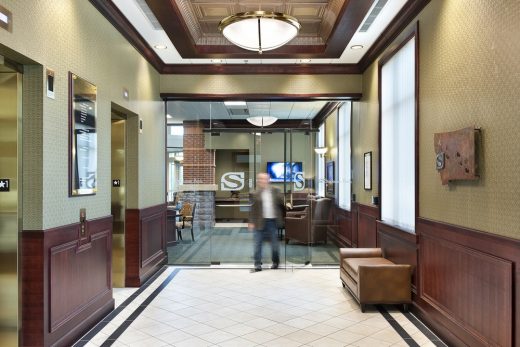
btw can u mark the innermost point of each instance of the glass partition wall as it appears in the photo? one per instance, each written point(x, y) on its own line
point(213, 158)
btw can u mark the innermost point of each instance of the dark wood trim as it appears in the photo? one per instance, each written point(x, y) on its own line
point(336, 44)
point(33, 285)
point(489, 255)
point(259, 97)
point(367, 225)
point(369, 210)
point(324, 113)
point(399, 246)
point(341, 227)
point(119, 21)
point(349, 18)
point(354, 209)
point(145, 243)
point(66, 282)
point(407, 14)
point(226, 124)
point(70, 96)
point(261, 69)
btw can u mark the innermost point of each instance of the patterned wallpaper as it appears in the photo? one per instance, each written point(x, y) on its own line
point(365, 125)
point(282, 84)
point(470, 76)
point(32, 147)
point(81, 40)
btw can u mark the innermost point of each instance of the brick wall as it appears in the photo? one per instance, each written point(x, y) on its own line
point(199, 168)
point(199, 162)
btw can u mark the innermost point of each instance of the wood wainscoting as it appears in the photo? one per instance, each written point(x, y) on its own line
point(366, 225)
point(468, 284)
point(145, 243)
point(400, 247)
point(66, 281)
point(341, 231)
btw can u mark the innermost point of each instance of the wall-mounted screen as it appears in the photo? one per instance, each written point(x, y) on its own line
point(277, 170)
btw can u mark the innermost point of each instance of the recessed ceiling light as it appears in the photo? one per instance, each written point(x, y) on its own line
point(169, 116)
point(356, 47)
point(235, 103)
point(160, 46)
point(216, 61)
point(305, 61)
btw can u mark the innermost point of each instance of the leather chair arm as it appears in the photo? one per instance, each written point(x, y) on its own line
point(385, 283)
point(296, 213)
point(360, 253)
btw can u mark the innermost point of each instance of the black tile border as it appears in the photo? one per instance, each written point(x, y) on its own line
point(397, 327)
point(133, 316)
point(109, 317)
point(424, 329)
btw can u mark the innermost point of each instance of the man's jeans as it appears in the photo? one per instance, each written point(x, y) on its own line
point(270, 231)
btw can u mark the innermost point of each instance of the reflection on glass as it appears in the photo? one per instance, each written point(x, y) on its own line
point(84, 137)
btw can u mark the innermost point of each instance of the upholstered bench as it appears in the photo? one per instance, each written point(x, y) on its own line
point(373, 279)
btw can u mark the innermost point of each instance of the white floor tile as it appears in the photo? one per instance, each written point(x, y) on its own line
point(232, 307)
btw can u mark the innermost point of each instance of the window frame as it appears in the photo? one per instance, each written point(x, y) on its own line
point(348, 105)
point(404, 38)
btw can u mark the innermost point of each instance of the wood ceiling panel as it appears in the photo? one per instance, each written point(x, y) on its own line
point(168, 14)
point(327, 26)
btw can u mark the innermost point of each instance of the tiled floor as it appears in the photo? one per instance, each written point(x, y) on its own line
point(234, 307)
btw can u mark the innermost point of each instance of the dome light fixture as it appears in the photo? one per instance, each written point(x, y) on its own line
point(321, 151)
point(262, 121)
point(259, 30)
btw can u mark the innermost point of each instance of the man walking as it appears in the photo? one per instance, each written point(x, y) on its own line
point(265, 217)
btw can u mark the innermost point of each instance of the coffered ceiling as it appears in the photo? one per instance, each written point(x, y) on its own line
point(329, 29)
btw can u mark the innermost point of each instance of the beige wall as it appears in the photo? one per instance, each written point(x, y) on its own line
point(261, 84)
point(469, 76)
point(365, 125)
point(73, 36)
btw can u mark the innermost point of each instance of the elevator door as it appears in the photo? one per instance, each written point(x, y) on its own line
point(10, 190)
point(118, 205)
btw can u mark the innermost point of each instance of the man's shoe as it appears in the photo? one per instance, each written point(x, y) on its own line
point(258, 269)
point(274, 266)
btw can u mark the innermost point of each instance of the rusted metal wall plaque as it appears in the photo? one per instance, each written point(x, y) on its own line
point(456, 154)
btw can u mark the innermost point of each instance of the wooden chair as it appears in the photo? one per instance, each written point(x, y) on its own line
point(186, 215)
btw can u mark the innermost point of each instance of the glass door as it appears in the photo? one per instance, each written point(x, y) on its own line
point(213, 159)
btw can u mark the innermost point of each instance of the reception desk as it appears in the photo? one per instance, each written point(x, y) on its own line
point(231, 209)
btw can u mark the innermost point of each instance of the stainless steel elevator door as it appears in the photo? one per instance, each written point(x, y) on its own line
point(10, 108)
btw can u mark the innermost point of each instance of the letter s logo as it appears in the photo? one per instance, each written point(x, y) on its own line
point(299, 181)
point(232, 181)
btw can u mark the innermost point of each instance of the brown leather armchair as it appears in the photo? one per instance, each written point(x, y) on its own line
point(309, 227)
point(373, 279)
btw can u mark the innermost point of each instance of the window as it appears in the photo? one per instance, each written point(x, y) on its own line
point(344, 170)
point(176, 130)
point(398, 138)
point(320, 142)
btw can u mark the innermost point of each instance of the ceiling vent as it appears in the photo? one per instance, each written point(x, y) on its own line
point(238, 111)
point(149, 14)
point(372, 16)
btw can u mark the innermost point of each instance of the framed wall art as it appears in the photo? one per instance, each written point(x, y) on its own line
point(82, 137)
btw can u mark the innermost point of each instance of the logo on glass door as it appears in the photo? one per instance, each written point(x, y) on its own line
point(299, 181)
point(232, 181)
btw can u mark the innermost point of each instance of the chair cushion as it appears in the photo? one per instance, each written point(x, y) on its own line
point(351, 265)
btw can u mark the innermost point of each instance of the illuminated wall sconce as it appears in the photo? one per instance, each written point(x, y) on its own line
point(321, 151)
